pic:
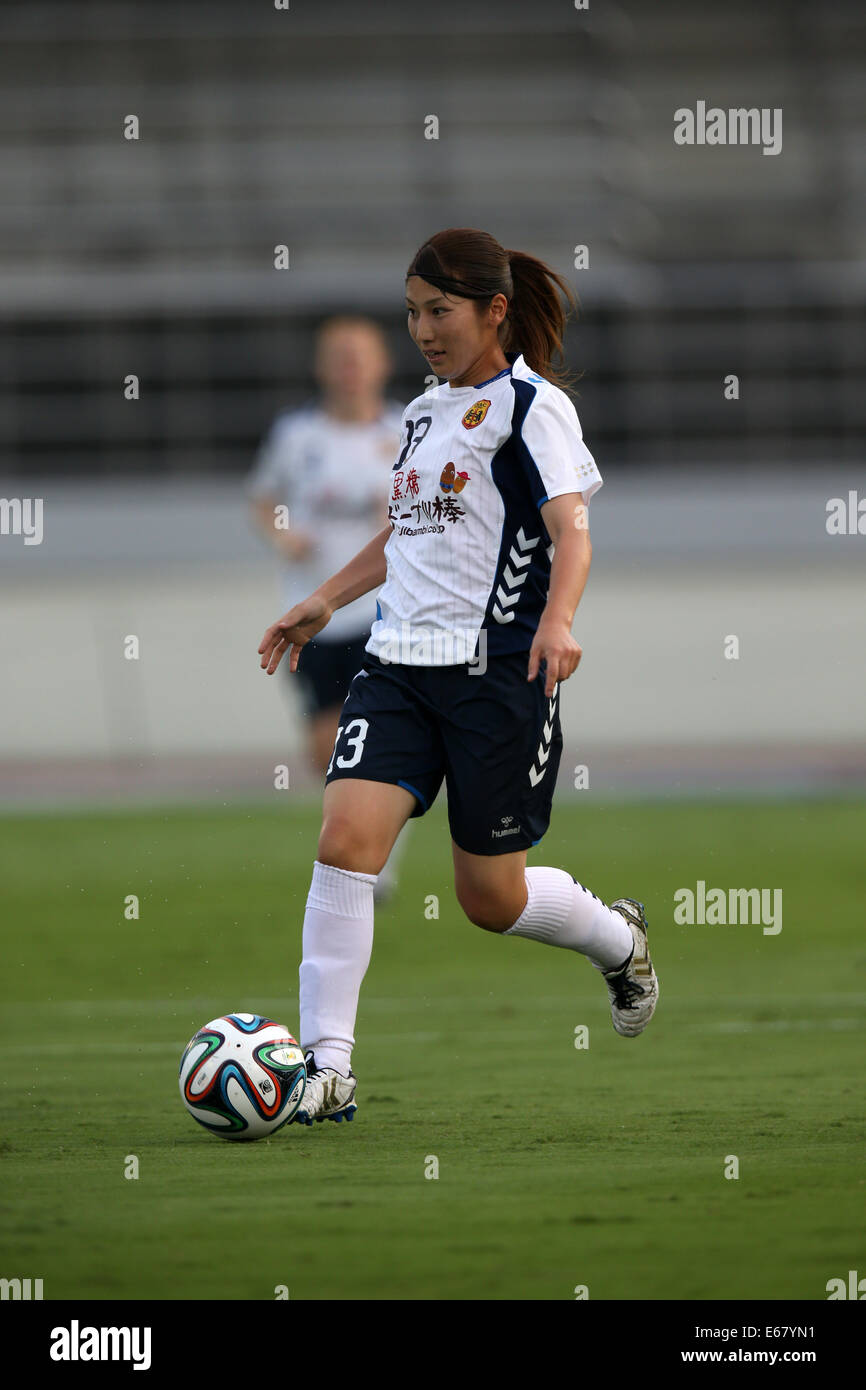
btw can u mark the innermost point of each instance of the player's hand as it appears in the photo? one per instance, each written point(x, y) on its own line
point(293, 631)
point(554, 644)
point(295, 545)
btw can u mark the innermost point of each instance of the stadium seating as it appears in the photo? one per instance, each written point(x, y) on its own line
point(306, 127)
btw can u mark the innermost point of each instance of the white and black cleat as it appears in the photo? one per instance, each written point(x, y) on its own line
point(633, 987)
point(328, 1095)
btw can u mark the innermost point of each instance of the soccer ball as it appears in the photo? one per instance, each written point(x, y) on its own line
point(242, 1076)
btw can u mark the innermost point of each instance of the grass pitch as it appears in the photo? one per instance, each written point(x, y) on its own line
point(558, 1166)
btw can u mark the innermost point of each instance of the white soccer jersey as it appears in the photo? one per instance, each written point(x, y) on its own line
point(469, 551)
point(332, 475)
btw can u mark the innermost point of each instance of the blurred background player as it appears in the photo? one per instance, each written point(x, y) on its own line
point(330, 464)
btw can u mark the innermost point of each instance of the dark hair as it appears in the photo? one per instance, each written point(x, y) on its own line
point(472, 264)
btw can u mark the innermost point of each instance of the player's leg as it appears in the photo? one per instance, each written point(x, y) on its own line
point(387, 881)
point(322, 732)
point(491, 889)
point(360, 822)
point(500, 794)
point(324, 675)
point(317, 681)
point(352, 655)
point(384, 769)
point(498, 891)
point(501, 895)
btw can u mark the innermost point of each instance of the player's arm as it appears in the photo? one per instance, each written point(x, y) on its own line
point(294, 630)
point(289, 544)
point(566, 520)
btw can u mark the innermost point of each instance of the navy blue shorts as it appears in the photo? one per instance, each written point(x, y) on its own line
point(494, 738)
point(325, 671)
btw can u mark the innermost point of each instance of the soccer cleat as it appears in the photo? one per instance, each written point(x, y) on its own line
point(327, 1096)
point(633, 987)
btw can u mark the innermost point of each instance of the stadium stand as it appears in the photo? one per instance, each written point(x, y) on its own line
point(306, 128)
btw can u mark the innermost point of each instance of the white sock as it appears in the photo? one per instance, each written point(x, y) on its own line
point(561, 912)
point(337, 945)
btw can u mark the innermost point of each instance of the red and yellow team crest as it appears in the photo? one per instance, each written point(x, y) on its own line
point(475, 414)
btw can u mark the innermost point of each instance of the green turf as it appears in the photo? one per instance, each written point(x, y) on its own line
point(558, 1167)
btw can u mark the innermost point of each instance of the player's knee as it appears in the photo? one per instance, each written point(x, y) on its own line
point(485, 910)
point(349, 844)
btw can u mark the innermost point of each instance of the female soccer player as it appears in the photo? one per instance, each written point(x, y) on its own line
point(302, 465)
point(481, 569)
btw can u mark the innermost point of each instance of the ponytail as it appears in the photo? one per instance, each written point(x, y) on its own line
point(472, 264)
point(536, 316)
